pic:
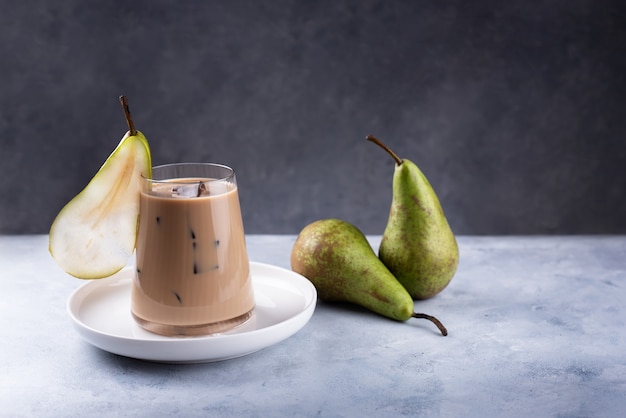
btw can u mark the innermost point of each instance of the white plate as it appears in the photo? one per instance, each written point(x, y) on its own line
point(100, 311)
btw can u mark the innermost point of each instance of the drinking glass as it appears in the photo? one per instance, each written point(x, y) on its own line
point(193, 272)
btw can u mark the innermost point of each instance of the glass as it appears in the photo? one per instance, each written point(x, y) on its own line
point(193, 272)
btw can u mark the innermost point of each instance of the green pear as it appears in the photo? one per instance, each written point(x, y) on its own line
point(94, 235)
point(337, 258)
point(417, 246)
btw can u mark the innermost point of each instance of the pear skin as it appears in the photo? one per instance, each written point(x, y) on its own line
point(418, 245)
point(337, 258)
point(94, 234)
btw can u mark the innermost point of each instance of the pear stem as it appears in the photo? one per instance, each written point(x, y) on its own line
point(129, 119)
point(385, 147)
point(432, 319)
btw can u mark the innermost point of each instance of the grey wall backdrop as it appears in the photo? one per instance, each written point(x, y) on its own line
point(513, 109)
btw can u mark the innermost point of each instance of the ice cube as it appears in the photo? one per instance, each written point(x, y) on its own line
point(188, 190)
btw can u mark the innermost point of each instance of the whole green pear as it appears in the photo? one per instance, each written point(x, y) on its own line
point(337, 258)
point(417, 246)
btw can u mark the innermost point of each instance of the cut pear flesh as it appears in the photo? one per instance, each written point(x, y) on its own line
point(94, 235)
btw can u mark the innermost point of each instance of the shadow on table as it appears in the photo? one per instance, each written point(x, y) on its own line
point(145, 367)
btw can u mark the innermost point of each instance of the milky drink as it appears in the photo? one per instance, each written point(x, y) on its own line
point(193, 273)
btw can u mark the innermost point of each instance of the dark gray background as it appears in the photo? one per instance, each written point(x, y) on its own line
point(513, 109)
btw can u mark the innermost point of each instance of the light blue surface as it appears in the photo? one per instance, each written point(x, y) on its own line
point(536, 330)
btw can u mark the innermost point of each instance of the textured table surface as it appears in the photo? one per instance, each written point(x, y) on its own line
point(536, 329)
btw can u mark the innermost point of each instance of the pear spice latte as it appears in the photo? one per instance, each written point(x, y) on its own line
point(193, 273)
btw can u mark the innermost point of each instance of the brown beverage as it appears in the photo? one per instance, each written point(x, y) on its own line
point(193, 273)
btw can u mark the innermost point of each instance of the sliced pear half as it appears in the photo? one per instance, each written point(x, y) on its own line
point(94, 235)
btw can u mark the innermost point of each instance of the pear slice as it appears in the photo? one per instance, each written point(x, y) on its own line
point(94, 235)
